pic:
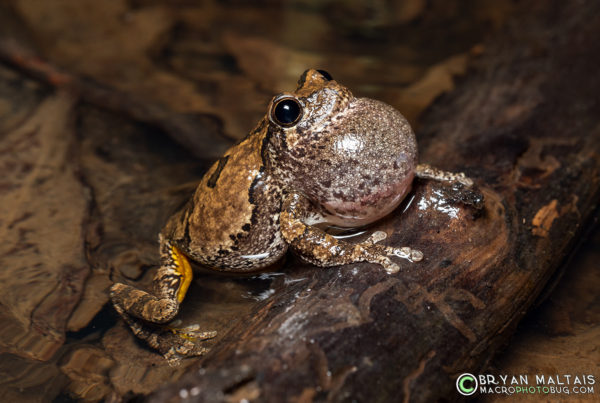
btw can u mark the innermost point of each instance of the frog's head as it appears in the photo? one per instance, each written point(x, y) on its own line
point(353, 157)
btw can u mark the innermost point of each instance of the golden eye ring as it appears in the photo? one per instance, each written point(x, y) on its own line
point(286, 112)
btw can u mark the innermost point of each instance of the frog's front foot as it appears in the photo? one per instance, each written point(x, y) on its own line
point(412, 255)
point(322, 249)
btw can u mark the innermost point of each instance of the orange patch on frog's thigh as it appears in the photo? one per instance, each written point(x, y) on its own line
point(183, 268)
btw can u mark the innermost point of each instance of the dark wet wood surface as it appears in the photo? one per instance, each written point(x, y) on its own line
point(96, 153)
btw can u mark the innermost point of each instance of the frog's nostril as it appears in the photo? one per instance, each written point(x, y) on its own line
point(326, 75)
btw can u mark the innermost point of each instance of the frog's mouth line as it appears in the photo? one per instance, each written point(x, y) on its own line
point(368, 208)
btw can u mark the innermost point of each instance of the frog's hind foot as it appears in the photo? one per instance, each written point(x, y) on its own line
point(146, 315)
point(176, 344)
point(192, 332)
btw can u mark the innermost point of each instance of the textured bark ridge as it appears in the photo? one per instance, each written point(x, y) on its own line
point(524, 126)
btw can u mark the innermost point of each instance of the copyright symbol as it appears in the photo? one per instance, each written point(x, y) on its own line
point(466, 384)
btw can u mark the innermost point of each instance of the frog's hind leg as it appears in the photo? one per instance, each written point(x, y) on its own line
point(322, 249)
point(172, 343)
point(170, 285)
point(144, 312)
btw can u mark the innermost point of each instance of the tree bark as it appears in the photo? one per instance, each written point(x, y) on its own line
point(524, 125)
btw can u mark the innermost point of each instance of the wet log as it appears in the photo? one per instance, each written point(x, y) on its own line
point(523, 124)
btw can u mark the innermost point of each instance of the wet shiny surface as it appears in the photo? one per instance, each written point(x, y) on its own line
point(438, 202)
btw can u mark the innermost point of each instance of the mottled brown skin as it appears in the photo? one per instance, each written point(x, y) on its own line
point(342, 161)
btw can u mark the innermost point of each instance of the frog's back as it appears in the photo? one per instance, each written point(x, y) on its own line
point(232, 221)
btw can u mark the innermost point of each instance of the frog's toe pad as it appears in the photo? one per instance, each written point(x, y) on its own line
point(416, 255)
point(376, 236)
point(388, 265)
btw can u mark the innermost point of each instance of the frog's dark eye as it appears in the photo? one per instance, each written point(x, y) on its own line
point(286, 112)
point(326, 75)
